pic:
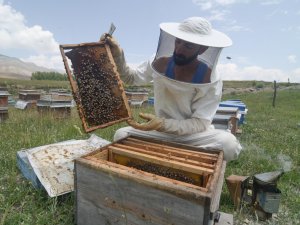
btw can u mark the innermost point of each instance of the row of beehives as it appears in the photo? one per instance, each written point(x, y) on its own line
point(62, 100)
point(230, 114)
point(57, 101)
point(137, 98)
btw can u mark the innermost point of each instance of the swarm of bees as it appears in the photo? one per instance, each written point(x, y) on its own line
point(98, 94)
point(162, 171)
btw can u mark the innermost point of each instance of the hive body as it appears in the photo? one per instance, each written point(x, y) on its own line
point(141, 181)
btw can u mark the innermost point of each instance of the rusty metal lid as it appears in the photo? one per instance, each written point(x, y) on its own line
point(269, 178)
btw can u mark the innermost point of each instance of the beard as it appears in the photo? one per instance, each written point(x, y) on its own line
point(181, 60)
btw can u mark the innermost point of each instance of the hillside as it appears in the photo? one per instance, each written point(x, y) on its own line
point(14, 68)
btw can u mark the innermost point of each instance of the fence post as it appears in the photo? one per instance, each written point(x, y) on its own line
point(274, 95)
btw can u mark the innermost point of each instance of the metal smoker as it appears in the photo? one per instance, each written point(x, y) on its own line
point(266, 195)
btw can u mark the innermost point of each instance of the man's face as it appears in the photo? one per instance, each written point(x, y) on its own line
point(185, 52)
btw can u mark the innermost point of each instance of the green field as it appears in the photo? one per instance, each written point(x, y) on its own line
point(270, 139)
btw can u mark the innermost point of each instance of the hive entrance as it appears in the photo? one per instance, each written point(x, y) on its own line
point(97, 88)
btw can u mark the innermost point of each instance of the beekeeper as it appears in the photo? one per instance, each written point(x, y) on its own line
point(187, 88)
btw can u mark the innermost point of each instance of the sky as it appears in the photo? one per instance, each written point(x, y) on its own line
point(265, 33)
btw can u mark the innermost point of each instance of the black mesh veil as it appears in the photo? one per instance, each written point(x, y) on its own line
point(166, 45)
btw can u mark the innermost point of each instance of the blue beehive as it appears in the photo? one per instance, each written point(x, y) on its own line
point(236, 103)
point(27, 170)
point(151, 100)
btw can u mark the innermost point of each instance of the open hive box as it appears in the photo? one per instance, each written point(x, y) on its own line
point(96, 85)
point(145, 181)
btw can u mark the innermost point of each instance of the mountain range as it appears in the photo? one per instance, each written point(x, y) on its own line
point(14, 68)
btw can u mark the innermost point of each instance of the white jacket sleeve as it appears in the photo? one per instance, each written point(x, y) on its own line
point(138, 76)
point(184, 127)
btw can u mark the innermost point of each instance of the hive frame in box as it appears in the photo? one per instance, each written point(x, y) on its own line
point(108, 191)
point(117, 90)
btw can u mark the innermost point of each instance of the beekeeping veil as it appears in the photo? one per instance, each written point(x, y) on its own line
point(196, 30)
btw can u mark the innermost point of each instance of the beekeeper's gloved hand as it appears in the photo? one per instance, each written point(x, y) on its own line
point(115, 48)
point(124, 70)
point(153, 122)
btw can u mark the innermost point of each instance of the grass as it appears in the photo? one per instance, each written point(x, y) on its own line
point(271, 142)
point(270, 139)
point(15, 85)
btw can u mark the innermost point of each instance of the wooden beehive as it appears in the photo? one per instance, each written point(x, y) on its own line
point(3, 114)
point(29, 95)
point(58, 112)
point(96, 85)
point(59, 109)
point(140, 181)
point(3, 101)
point(137, 96)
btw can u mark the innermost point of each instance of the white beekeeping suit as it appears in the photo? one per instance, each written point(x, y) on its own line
point(184, 110)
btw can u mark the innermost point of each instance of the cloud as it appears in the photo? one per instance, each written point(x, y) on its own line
point(225, 2)
point(218, 15)
point(207, 5)
point(16, 35)
point(294, 76)
point(292, 58)
point(277, 13)
point(296, 71)
point(291, 29)
point(270, 2)
point(237, 28)
point(231, 71)
point(204, 5)
point(48, 61)
point(218, 12)
point(232, 26)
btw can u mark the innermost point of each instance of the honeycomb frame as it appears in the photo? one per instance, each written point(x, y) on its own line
point(96, 85)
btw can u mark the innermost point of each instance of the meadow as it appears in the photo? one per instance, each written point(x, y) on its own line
point(270, 140)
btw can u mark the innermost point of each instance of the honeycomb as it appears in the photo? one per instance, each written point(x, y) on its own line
point(96, 85)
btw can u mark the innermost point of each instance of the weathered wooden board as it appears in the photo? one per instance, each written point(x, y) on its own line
point(110, 191)
point(110, 198)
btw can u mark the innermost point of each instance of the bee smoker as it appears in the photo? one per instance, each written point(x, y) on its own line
point(265, 194)
point(259, 191)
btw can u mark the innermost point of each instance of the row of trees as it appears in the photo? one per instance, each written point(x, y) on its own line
point(48, 76)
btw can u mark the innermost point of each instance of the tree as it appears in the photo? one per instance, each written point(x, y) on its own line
point(48, 76)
